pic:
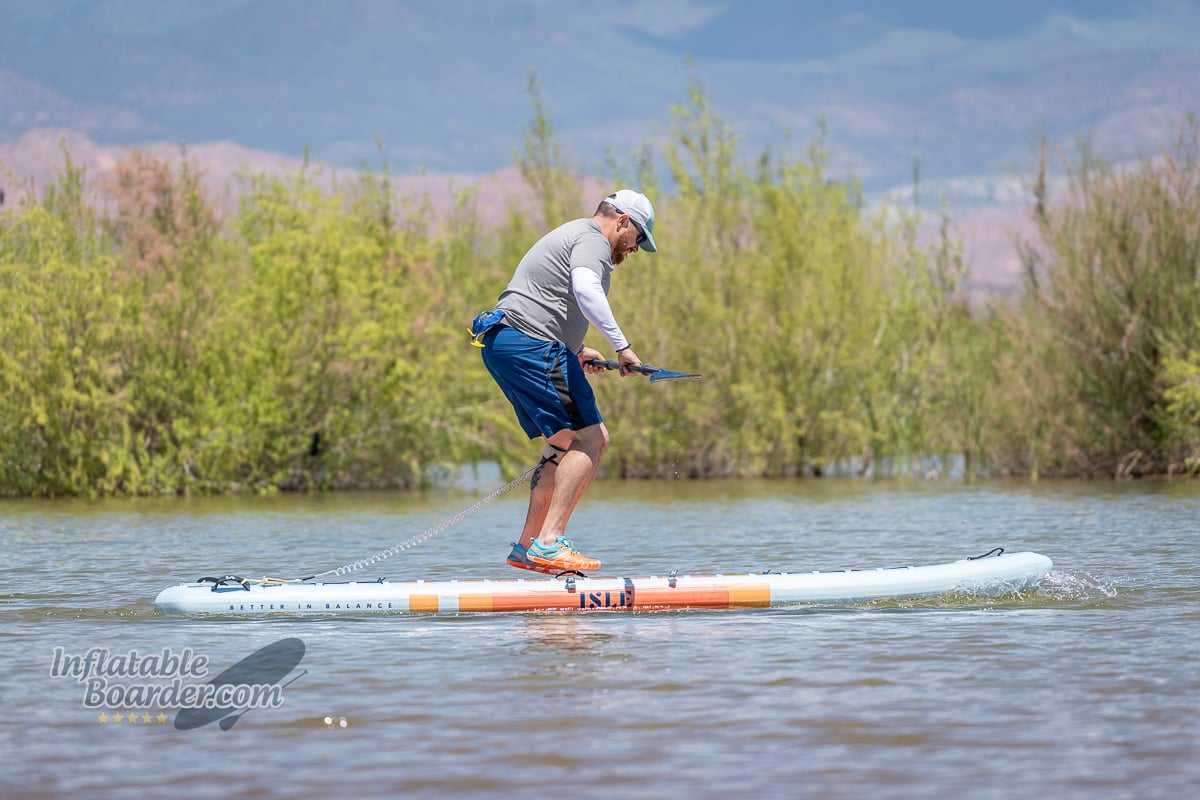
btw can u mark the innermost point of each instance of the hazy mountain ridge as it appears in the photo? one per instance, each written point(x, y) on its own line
point(33, 160)
point(968, 90)
point(36, 158)
point(446, 90)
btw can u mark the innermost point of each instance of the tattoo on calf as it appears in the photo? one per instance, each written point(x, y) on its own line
point(549, 457)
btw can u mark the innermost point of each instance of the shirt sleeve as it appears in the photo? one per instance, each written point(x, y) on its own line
point(593, 302)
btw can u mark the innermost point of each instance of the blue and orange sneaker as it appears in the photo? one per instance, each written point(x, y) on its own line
point(560, 557)
point(518, 558)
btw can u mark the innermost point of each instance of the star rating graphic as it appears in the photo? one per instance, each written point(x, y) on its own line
point(145, 718)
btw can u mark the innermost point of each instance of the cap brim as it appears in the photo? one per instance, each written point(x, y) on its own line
point(649, 246)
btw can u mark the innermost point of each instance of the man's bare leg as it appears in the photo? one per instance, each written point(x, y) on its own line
point(566, 484)
point(541, 489)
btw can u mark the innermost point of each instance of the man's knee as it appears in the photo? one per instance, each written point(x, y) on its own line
point(594, 439)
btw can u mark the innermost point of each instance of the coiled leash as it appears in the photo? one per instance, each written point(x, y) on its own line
point(226, 581)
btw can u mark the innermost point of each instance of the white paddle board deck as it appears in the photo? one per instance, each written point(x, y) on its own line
point(991, 575)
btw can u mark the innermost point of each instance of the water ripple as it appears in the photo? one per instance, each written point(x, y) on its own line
point(1084, 686)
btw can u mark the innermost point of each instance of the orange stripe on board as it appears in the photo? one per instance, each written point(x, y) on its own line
point(527, 601)
point(475, 602)
point(422, 602)
point(750, 595)
point(681, 597)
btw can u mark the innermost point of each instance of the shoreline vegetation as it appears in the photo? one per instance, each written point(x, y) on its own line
point(313, 336)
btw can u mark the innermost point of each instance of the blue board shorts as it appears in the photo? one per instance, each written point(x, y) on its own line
point(543, 380)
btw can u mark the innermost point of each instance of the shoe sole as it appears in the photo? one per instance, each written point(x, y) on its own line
point(534, 567)
point(576, 563)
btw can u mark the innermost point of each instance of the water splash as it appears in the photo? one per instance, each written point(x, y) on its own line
point(1075, 586)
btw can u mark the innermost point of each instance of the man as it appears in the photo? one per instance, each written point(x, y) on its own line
point(533, 347)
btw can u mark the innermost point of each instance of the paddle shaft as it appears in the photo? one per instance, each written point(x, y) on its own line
point(655, 373)
point(642, 368)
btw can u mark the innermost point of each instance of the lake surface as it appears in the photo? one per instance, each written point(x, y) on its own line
point(1087, 687)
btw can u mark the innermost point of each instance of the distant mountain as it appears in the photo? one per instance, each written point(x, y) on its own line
point(444, 84)
point(965, 87)
point(38, 157)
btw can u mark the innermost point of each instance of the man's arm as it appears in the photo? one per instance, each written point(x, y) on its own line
point(589, 293)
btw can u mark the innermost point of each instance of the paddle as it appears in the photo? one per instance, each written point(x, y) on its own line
point(227, 723)
point(656, 374)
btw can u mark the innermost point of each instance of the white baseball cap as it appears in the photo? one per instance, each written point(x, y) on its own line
point(638, 207)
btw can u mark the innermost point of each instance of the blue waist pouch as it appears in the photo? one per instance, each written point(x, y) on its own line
point(483, 323)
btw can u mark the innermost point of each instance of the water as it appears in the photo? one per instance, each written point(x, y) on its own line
point(1087, 687)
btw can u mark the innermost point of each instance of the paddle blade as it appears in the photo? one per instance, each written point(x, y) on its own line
point(656, 374)
point(668, 375)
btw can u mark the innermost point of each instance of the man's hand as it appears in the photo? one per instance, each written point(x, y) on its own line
point(589, 354)
point(628, 359)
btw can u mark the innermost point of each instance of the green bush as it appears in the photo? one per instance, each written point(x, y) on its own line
point(313, 336)
point(1112, 289)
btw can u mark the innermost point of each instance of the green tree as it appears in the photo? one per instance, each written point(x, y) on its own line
point(1113, 285)
point(64, 407)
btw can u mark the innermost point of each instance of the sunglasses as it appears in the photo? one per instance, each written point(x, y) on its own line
point(641, 240)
